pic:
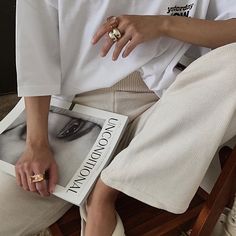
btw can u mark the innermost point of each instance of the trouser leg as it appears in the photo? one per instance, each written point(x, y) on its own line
point(176, 139)
point(23, 213)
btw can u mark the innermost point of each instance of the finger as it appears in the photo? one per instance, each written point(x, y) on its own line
point(24, 181)
point(101, 32)
point(28, 173)
point(31, 185)
point(42, 185)
point(106, 46)
point(18, 178)
point(129, 47)
point(120, 45)
point(53, 177)
point(42, 188)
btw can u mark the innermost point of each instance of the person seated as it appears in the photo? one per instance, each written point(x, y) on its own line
point(122, 56)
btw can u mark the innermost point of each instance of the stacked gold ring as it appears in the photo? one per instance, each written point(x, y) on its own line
point(114, 34)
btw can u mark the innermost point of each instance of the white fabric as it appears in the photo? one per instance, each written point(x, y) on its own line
point(55, 56)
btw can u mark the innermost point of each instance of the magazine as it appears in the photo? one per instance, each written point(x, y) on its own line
point(83, 140)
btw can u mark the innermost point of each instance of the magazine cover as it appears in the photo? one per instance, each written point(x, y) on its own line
point(82, 138)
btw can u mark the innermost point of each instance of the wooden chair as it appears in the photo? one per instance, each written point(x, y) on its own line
point(142, 220)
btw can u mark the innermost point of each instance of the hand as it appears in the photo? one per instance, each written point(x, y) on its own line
point(37, 160)
point(134, 29)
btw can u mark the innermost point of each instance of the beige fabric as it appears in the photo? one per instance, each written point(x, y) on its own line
point(23, 213)
point(131, 83)
point(174, 141)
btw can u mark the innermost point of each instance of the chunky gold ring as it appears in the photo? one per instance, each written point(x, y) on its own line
point(114, 35)
point(37, 178)
point(117, 33)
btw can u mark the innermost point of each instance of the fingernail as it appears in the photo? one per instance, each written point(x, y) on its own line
point(93, 41)
point(102, 54)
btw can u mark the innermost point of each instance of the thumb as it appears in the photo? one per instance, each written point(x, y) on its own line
point(53, 177)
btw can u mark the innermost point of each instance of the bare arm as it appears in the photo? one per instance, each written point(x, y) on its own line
point(37, 109)
point(206, 33)
point(136, 29)
point(37, 157)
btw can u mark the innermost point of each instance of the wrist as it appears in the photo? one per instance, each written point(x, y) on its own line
point(37, 142)
point(164, 25)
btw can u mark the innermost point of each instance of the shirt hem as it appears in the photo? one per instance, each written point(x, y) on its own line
point(25, 91)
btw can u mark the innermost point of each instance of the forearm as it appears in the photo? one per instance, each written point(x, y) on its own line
point(37, 157)
point(206, 33)
point(37, 110)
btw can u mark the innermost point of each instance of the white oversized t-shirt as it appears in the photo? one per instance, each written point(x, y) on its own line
point(54, 54)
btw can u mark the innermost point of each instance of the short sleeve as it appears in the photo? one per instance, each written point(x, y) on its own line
point(221, 10)
point(37, 48)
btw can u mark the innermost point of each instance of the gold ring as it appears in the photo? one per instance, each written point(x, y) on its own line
point(37, 178)
point(114, 35)
point(113, 22)
point(117, 33)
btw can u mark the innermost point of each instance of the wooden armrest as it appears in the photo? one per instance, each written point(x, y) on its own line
point(219, 196)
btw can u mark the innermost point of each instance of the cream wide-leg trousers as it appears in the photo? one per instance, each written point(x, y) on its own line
point(171, 143)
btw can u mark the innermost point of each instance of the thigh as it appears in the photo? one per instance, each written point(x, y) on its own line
point(24, 213)
point(131, 104)
point(175, 140)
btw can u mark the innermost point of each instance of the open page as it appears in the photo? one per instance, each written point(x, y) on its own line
point(83, 140)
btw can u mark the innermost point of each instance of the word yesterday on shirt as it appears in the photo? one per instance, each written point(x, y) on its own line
point(180, 10)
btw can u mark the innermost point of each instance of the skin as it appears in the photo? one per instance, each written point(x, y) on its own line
point(135, 30)
point(37, 157)
point(139, 29)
